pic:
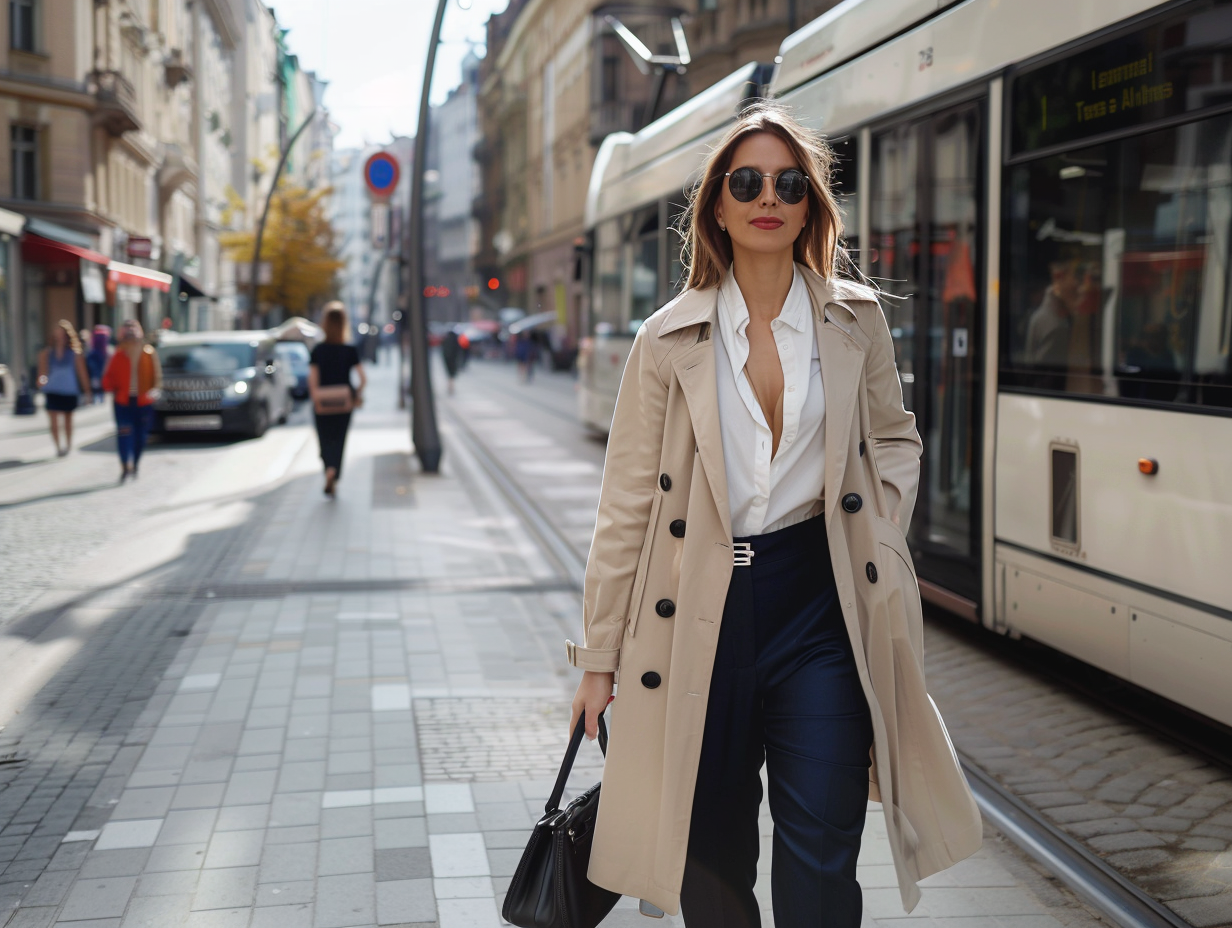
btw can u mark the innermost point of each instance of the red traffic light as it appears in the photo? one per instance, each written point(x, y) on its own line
point(429, 292)
point(493, 283)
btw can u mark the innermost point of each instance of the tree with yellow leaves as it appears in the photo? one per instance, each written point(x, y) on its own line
point(299, 246)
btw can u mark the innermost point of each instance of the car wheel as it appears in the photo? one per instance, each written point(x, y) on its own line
point(260, 421)
point(286, 409)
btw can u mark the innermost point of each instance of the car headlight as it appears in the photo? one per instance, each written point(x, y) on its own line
point(236, 393)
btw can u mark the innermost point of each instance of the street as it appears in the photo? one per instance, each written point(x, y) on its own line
point(237, 703)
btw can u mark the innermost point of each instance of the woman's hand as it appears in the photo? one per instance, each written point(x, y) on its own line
point(593, 695)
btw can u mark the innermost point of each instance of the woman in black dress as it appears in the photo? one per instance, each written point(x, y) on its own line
point(330, 366)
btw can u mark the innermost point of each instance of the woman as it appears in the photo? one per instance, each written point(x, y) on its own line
point(749, 578)
point(135, 377)
point(63, 378)
point(330, 366)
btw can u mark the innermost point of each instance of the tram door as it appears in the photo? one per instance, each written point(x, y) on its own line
point(926, 236)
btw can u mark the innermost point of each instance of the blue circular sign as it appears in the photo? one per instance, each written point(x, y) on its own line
point(381, 174)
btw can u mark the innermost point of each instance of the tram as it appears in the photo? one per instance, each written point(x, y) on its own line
point(1046, 190)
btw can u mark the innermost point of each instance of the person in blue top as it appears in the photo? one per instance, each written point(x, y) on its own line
point(63, 378)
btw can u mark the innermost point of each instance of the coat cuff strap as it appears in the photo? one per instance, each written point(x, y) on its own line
point(601, 660)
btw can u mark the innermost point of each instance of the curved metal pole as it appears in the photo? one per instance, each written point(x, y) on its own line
point(423, 412)
point(269, 198)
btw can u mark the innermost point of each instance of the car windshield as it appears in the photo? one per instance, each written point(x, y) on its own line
point(294, 354)
point(206, 358)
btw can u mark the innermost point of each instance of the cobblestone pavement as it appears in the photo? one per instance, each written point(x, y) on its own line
point(1145, 805)
point(358, 729)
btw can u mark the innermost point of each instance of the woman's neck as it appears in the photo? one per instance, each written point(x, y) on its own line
point(764, 282)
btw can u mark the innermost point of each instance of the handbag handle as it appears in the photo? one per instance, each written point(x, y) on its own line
point(566, 766)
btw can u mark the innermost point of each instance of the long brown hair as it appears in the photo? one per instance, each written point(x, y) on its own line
point(335, 322)
point(707, 249)
point(74, 341)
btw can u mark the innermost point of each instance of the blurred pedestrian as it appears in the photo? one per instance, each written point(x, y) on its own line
point(333, 394)
point(741, 497)
point(63, 378)
point(97, 358)
point(451, 354)
point(135, 377)
point(527, 353)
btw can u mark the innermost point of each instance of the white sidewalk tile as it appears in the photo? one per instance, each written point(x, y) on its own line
point(80, 836)
point(199, 682)
point(343, 798)
point(387, 794)
point(468, 913)
point(388, 697)
point(447, 798)
point(463, 854)
point(141, 833)
point(463, 887)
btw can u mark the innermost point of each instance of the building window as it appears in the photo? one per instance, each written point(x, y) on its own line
point(25, 162)
point(21, 24)
point(611, 79)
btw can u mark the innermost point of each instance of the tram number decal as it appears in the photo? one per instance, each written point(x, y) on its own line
point(926, 58)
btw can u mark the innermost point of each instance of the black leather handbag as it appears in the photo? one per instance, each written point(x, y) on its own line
point(550, 888)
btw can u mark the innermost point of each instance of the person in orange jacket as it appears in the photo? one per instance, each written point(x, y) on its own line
point(135, 377)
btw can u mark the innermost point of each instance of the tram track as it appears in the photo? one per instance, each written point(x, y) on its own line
point(1103, 888)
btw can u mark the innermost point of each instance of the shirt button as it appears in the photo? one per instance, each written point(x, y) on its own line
point(791, 389)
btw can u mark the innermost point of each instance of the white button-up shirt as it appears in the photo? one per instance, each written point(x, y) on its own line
point(768, 492)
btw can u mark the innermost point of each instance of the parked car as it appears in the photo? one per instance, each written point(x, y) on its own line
point(293, 358)
point(221, 382)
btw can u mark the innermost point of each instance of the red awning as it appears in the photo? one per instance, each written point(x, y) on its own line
point(136, 276)
point(38, 250)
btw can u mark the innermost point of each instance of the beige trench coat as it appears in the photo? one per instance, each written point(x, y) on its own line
point(665, 463)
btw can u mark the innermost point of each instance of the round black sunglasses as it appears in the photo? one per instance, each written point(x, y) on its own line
point(745, 184)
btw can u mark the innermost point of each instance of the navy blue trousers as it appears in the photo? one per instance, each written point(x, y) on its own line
point(785, 692)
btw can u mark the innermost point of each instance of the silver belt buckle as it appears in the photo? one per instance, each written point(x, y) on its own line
point(743, 552)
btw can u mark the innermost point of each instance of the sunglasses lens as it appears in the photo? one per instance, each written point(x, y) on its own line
point(744, 184)
point(791, 186)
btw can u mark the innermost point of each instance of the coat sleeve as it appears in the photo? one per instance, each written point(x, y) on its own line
point(110, 381)
point(893, 433)
point(629, 474)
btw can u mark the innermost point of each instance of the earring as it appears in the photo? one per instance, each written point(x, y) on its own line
point(723, 227)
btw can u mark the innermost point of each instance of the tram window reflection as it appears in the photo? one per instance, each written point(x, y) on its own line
point(1118, 269)
point(843, 179)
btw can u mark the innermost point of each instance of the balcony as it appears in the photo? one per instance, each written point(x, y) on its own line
point(115, 102)
point(613, 116)
point(175, 69)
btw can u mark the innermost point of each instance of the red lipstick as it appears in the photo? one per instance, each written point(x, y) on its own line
point(767, 222)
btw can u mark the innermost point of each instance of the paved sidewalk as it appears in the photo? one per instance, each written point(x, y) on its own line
point(362, 724)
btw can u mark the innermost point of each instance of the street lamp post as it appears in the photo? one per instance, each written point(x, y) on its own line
point(424, 432)
point(269, 198)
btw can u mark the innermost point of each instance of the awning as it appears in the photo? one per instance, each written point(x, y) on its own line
point(11, 223)
point(191, 288)
point(134, 276)
point(39, 250)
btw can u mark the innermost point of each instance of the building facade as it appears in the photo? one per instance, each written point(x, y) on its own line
point(132, 130)
point(556, 81)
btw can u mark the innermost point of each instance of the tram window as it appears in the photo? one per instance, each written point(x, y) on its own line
point(843, 180)
point(645, 283)
point(1118, 269)
point(606, 311)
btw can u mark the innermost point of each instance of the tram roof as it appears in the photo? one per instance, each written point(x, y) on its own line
point(842, 33)
point(633, 169)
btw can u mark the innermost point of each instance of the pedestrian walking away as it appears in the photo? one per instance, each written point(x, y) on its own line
point(97, 358)
point(134, 377)
point(333, 393)
point(64, 380)
point(451, 354)
point(749, 581)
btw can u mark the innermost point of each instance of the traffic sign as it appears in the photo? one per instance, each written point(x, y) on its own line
point(381, 174)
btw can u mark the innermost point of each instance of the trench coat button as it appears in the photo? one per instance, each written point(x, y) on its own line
point(665, 482)
point(870, 569)
point(650, 679)
point(665, 608)
point(861, 449)
point(852, 502)
point(677, 528)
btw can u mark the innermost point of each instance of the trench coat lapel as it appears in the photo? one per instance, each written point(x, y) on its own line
point(695, 371)
point(842, 360)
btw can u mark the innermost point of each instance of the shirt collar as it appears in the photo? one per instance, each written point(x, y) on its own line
point(735, 311)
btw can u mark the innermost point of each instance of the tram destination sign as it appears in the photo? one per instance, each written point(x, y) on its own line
point(1164, 70)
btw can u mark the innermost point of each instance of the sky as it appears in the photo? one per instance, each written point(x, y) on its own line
point(372, 53)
